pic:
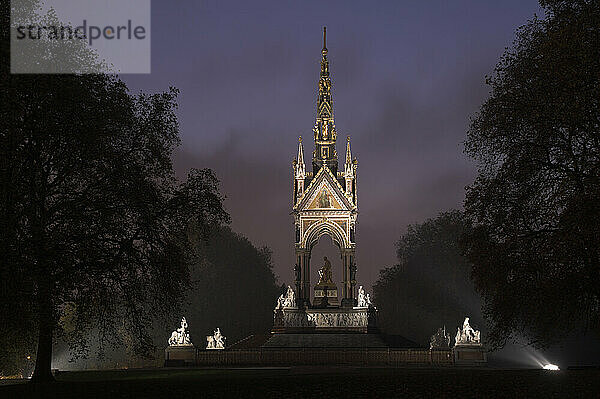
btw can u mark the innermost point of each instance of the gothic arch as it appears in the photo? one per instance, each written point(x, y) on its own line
point(303, 253)
point(325, 227)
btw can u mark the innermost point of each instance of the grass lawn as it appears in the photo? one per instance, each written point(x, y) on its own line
point(315, 382)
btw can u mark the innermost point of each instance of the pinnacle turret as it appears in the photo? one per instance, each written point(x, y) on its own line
point(300, 171)
point(349, 170)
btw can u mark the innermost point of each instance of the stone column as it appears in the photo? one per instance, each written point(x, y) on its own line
point(349, 277)
point(306, 278)
point(344, 275)
point(298, 276)
point(352, 273)
point(302, 276)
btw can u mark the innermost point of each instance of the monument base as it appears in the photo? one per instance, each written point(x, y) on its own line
point(179, 356)
point(348, 303)
point(325, 320)
point(319, 341)
point(338, 349)
point(469, 355)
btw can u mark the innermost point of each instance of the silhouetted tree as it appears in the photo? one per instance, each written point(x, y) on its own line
point(535, 203)
point(234, 287)
point(430, 286)
point(93, 217)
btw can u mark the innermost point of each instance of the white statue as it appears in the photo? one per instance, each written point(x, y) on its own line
point(287, 301)
point(468, 330)
point(468, 336)
point(280, 302)
point(216, 341)
point(362, 299)
point(290, 298)
point(180, 337)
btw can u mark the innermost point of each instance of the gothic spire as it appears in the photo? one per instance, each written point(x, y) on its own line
point(349, 165)
point(350, 173)
point(348, 152)
point(299, 172)
point(324, 130)
point(301, 167)
point(324, 102)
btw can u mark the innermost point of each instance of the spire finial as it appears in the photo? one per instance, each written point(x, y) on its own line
point(348, 153)
point(324, 38)
point(301, 166)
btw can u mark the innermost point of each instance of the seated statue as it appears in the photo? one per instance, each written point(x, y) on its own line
point(325, 273)
point(325, 293)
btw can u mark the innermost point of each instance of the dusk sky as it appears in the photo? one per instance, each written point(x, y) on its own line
point(406, 78)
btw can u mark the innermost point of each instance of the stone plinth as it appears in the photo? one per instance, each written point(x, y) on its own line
point(328, 291)
point(465, 354)
point(180, 355)
point(293, 320)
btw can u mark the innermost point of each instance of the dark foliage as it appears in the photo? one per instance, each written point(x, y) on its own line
point(233, 287)
point(93, 233)
point(535, 203)
point(430, 287)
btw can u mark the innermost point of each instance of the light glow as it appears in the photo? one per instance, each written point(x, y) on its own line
point(552, 367)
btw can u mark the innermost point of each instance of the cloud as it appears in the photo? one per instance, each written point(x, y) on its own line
point(405, 81)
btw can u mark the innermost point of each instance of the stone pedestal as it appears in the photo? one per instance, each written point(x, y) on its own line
point(465, 354)
point(180, 355)
point(326, 295)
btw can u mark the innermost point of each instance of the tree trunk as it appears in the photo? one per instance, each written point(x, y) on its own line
point(43, 361)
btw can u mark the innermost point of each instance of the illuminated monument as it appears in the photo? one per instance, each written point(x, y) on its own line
point(324, 203)
point(324, 199)
point(334, 325)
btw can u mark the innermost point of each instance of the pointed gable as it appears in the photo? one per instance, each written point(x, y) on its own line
point(324, 199)
point(324, 192)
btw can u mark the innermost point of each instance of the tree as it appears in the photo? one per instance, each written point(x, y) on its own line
point(535, 204)
point(233, 286)
point(430, 286)
point(93, 217)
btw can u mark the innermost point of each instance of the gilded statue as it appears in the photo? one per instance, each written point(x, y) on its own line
point(325, 272)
